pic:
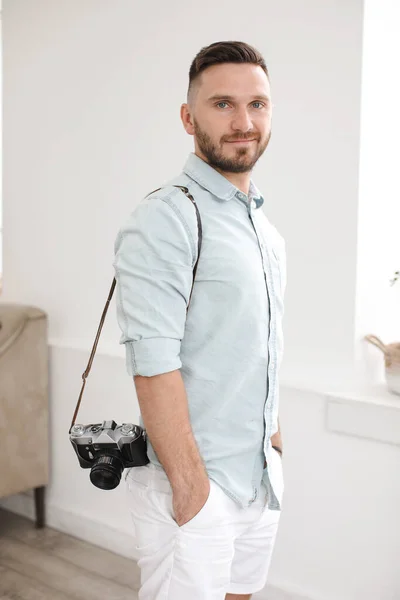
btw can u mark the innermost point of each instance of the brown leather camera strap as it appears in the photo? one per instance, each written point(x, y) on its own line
point(103, 316)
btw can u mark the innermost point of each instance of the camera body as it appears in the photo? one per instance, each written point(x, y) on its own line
point(107, 449)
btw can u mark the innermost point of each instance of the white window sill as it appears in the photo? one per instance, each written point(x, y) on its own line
point(372, 413)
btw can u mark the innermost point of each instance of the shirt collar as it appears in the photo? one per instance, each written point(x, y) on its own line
point(205, 175)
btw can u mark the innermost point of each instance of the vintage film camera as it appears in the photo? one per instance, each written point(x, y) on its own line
point(107, 449)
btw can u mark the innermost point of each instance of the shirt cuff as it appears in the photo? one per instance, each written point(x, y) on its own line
point(153, 356)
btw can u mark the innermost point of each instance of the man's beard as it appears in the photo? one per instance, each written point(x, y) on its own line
point(241, 163)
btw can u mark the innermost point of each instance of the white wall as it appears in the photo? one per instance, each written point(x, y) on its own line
point(339, 532)
point(311, 180)
point(92, 92)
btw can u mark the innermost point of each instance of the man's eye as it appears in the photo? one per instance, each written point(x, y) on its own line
point(257, 105)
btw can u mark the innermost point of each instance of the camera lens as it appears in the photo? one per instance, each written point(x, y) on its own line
point(106, 472)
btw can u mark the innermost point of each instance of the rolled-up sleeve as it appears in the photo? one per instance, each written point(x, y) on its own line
point(154, 258)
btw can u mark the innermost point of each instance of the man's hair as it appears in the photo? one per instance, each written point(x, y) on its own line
point(224, 52)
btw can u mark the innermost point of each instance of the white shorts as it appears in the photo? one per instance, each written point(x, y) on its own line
point(223, 549)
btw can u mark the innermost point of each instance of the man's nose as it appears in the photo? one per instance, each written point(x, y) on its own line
point(242, 120)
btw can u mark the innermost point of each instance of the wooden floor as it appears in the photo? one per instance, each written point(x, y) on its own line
point(48, 565)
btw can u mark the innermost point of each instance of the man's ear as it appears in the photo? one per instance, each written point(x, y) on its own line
point(186, 119)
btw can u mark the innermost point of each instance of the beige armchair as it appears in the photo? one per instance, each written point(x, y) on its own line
point(24, 455)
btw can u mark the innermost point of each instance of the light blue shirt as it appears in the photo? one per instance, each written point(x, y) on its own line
point(229, 344)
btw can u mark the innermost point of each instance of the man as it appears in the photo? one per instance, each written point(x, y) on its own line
point(206, 508)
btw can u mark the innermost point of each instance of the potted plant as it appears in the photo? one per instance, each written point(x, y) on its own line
point(391, 354)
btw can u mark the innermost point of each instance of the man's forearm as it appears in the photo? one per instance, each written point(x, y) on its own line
point(164, 408)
